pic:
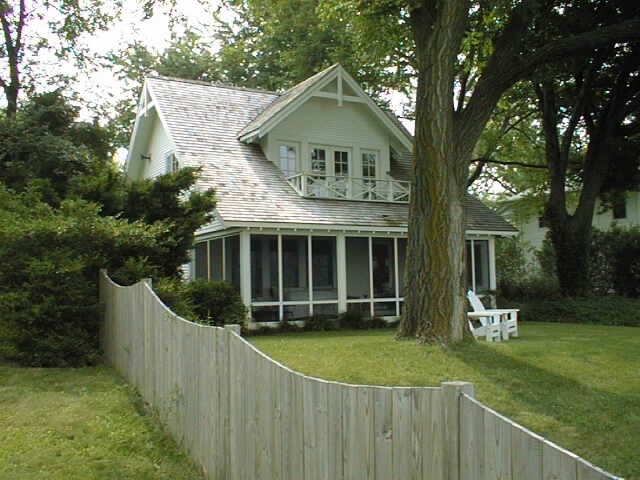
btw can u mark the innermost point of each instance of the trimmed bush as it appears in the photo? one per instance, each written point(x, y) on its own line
point(48, 281)
point(216, 303)
point(603, 310)
point(320, 323)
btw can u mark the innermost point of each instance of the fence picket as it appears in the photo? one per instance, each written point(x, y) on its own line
point(242, 416)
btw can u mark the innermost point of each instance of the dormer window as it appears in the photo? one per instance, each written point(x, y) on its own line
point(319, 160)
point(289, 159)
point(341, 163)
point(369, 160)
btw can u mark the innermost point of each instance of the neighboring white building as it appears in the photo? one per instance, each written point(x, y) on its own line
point(312, 189)
point(623, 213)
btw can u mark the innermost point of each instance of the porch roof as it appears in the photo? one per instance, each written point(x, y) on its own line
point(204, 121)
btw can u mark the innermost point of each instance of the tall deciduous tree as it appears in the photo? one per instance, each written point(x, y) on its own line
point(31, 27)
point(447, 131)
point(589, 118)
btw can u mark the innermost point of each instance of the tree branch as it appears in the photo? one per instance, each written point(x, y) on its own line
point(476, 173)
point(500, 162)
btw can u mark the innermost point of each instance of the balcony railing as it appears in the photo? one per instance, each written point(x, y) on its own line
point(349, 188)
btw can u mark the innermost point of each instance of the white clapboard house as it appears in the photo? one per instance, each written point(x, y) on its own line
point(312, 189)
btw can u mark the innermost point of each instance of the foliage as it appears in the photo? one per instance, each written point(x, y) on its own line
point(216, 303)
point(43, 148)
point(68, 211)
point(277, 44)
point(188, 56)
point(82, 423)
point(615, 261)
point(321, 323)
point(31, 30)
point(511, 259)
point(202, 301)
point(538, 288)
point(602, 310)
point(48, 283)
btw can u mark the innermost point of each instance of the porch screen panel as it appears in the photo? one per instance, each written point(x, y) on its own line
point(295, 268)
point(469, 264)
point(323, 265)
point(357, 267)
point(481, 259)
point(201, 270)
point(402, 255)
point(215, 260)
point(264, 268)
point(384, 277)
point(232, 260)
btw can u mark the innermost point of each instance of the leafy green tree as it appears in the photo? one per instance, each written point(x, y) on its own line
point(31, 27)
point(44, 148)
point(449, 124)
point(589, 117)
point(48, 283)
point(188, 56)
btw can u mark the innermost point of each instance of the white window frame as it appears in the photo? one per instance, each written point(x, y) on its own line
point(171, 162)
point(296, 148)
point(376, 163)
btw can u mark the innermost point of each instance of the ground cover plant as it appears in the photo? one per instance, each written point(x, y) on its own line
point(81, 424)
point(577, 385)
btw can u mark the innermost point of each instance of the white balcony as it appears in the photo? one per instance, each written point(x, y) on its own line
point(315, 185)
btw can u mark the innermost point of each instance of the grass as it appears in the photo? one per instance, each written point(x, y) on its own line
point(66, 424)
point(578, 385)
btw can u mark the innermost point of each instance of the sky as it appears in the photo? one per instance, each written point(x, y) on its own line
point(98, 88)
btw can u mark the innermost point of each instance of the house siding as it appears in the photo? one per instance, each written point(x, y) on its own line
point(534, 235)
point(158, 147)
point(322, 122)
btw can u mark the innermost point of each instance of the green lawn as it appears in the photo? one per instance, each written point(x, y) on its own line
point(578, 385)
point(66, 424)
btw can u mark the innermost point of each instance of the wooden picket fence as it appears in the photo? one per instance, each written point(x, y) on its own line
point(242, 416)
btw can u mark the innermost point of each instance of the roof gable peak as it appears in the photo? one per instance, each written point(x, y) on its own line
point(319, 85)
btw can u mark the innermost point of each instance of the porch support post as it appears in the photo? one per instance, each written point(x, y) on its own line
point(341, 264)
point(492, 263)
point(245, 270)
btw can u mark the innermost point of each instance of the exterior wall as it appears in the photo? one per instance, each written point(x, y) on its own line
point(321, 122)
point(534, 235)
point(158, 146)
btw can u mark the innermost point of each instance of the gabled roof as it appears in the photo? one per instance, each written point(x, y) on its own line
point(204, 121)
point(283, 101)
point(293, 98)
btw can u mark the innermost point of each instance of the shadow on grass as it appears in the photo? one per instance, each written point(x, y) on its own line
point(600, 425)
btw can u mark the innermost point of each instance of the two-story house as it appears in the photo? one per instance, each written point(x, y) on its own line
point(312, 190)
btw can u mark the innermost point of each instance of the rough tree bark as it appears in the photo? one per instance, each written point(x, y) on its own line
point(444, 140)
point(12, 34)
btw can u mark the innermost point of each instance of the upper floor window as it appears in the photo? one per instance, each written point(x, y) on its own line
point(319, 160)
point(171, 162)
point(369, 160)
point(288, 159)
point(341, 163)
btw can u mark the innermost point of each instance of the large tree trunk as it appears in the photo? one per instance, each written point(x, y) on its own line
point(435, 302)
point(572, 246)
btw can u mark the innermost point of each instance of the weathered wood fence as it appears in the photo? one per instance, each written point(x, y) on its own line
point(242, 416)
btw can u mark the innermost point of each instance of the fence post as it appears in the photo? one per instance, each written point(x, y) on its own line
point(451, 399)
point(235, 328)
